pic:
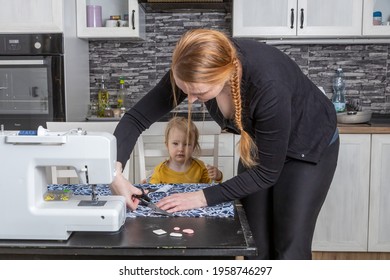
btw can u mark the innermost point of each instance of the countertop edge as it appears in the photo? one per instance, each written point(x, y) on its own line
point(361, 129)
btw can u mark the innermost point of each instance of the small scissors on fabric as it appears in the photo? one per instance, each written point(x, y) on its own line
point(145, 200)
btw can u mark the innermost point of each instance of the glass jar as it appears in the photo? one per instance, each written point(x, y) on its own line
point(93, 109)
point(108, 112)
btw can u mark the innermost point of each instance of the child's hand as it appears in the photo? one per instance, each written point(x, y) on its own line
point(143, 181)
point(214, 173)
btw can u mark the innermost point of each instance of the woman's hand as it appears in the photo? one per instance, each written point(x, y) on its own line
point(182, 201)
point(121, 186)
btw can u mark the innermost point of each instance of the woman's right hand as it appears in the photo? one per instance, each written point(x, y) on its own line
point(121, 186)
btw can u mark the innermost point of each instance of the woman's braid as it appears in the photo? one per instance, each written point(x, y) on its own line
point(247, 147)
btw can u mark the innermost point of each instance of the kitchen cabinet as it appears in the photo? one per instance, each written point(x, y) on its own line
point(297, 18)
point(342, 224)
point(134, 29)
point(47, 16)
point(371, 29)
point(38, 16)
point(379, 220)
point(355, 214)
point(343, 221)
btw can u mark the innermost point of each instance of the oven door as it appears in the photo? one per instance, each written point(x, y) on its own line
point(31, 91)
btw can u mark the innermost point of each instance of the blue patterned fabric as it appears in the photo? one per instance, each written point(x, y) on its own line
point(156, 192)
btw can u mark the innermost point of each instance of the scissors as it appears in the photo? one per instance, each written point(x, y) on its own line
point(145, 200)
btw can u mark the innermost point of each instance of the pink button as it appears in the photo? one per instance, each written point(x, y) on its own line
point(188, 231)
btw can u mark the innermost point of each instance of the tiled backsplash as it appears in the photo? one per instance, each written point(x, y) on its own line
point(143, 63)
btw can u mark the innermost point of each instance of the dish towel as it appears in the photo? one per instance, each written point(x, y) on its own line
point(156, 192)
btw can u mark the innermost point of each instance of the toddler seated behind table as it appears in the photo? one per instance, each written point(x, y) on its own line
point(182, 142)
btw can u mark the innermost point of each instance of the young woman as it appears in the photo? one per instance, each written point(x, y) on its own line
point(182, 142)
point(289, 140)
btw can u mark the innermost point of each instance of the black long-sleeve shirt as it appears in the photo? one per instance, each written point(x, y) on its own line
point(284, 112)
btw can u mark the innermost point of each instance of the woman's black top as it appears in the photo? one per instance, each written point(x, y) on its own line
point(285, 113)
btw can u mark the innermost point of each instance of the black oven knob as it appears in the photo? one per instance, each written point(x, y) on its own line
point(37, 45)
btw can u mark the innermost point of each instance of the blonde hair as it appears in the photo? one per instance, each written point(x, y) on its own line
point(185, 125)
point(208, 56)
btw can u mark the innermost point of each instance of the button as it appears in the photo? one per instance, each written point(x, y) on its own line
point(37, 45)
point(302, 155)
point(159, 231)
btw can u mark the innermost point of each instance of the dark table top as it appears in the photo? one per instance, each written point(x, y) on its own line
point(213, 238)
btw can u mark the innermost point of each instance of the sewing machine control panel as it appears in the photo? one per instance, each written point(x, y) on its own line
point(28, 139)
point(39, 136)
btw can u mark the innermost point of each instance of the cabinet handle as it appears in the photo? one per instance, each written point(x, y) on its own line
point(292, 19)
point(133, 19)
point(302, 17)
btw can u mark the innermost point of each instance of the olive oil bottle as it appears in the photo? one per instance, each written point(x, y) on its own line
point(121, 93)
point(103, 98)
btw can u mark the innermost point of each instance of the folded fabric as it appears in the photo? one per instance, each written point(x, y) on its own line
point(157, 192)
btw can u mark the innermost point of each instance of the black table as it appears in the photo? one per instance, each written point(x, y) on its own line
point(215, 238)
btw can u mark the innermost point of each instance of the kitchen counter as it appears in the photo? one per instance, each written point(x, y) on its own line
point(379, 124)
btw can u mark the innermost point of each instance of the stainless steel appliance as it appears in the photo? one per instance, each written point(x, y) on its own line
point(31, 80)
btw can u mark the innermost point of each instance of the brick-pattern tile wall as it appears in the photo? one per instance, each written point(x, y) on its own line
point(143, 63)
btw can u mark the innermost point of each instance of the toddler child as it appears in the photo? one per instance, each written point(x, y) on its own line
point(182, 142)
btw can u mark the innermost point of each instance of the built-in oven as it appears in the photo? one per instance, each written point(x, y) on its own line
point(31, 80)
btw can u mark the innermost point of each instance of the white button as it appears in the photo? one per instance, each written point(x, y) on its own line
point(302, 155)
point(159, 231)
point(175, 234)
point(37, 45)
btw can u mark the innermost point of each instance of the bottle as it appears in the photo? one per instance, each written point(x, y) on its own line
point(121, 93)
point(103, 98)
point(377, 18)
point(338, 97)
point(123, 111)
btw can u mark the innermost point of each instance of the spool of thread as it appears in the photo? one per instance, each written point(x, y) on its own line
point(94, 16)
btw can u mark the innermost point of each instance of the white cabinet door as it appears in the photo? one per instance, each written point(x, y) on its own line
point(329, 18)
point(33, 16)
point(371, 6)
point(253, 18)
point(136, 19)
point(343, 220)
point(379, 230)
point(292, 18)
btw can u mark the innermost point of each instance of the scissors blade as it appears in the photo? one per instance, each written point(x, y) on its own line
point(157, 210)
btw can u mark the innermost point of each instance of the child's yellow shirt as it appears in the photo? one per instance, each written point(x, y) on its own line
point(196, 173)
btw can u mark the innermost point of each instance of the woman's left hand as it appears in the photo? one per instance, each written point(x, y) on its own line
point(182, 201)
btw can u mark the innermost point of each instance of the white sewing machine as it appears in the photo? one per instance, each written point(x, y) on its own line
point(25, 214)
